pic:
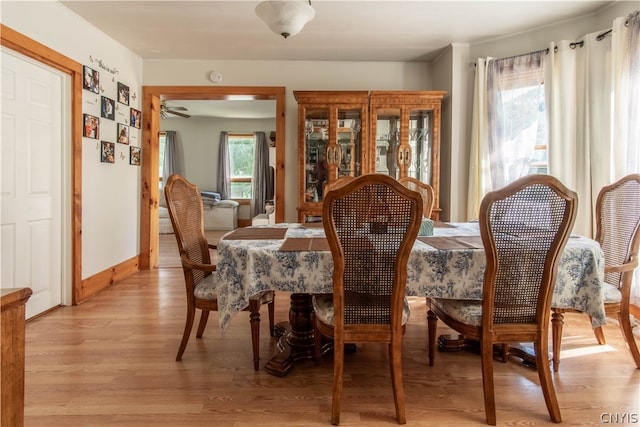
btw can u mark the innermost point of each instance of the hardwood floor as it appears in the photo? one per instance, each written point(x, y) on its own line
point(111, 361)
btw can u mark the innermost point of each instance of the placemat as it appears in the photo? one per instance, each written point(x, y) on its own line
point(257, 233)
point(453, 242)
point(299, 244)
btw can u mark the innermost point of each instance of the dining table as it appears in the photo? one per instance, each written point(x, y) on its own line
point(295, 258)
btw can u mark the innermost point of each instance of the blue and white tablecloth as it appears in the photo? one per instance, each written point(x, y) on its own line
point(247, 267)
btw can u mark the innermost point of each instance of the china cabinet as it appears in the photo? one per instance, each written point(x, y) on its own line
point(331, 129)
point(350, 133)
point(405, 136)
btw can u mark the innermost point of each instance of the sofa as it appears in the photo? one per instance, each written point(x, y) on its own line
point(218, 214)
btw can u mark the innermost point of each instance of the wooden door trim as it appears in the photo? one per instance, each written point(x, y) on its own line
point(151, 99)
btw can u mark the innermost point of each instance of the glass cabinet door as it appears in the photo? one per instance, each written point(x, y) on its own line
point(387, 124)
point(316, 129)
point(420, 134)
point(349, 153)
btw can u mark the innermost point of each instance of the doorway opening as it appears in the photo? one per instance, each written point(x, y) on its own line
point(153, 99)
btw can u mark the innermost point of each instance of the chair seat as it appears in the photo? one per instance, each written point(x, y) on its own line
point(611, 294)
point(323, 308)
point(207, 289)
point(465, 311)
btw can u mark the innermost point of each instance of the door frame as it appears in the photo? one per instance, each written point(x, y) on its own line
point(152, 98)
point(26, 46)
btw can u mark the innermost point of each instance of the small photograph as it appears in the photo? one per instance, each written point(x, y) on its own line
point(123, 94)
point(136, 118)
point(91, 128)
point(134, 156)
point(123, 134)
point(107, 152)
point(91, 80)
point(108, 110)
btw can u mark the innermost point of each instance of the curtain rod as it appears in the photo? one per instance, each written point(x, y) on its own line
point(546, 51)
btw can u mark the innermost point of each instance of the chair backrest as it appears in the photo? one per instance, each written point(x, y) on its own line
point(425, 190)
point(328, 186)
point(524, 227)
point(184, 204)
point(618, 225)
point(371, 224)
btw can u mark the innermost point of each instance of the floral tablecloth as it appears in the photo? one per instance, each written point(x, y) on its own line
point(246, 267)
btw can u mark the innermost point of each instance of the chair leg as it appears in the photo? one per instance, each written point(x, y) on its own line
point(338, 371)
point(272, 309)
point(544, 373)
point(627, 333)
point(597, 331)
point(254, 320)
point(395, 358)
point(191, 312)
point(203, 323)
point(432, 324)
point(486, 351)
point(557, 322)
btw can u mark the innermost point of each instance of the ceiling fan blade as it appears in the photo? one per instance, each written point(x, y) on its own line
point(177, 108)
point(186, 116)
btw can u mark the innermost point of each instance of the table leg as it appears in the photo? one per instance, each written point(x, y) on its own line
point(297, 339)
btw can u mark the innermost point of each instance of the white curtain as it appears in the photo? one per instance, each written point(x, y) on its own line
point(578, 107)
point(479, 174)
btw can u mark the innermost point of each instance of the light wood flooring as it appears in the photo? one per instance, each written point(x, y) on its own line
point(111, 361)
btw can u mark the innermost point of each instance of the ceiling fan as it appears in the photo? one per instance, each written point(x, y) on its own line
point(165, 110)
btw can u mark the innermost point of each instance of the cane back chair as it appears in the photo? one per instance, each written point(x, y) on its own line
point(425, 190)
point(371, 224)
point(185, 210)
point(618, 232)
point(524, 228)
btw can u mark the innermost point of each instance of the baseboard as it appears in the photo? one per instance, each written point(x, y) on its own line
point(94, 284)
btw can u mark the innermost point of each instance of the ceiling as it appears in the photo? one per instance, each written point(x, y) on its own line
point(341, 30)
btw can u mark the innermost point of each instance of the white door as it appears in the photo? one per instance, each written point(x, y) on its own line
point(32, 107)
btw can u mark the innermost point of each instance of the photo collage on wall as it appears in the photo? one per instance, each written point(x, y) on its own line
point(109, 114)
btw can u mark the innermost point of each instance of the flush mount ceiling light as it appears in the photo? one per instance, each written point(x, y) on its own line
point(286, 18)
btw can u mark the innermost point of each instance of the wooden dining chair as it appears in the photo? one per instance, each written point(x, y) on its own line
point(370, 258)
point(185, 210)
point(618, 232)
point(425, 190)
point(523, 247)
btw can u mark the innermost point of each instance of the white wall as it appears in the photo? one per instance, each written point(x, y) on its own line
point(294, 75)
point(111, 192)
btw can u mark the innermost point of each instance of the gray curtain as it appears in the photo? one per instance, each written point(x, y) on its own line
point(224, 168)
point(260, 170)
point(170, 165)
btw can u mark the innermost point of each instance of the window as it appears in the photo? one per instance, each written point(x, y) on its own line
point(518, 126)
point(241, 155)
